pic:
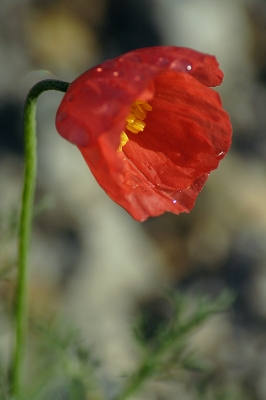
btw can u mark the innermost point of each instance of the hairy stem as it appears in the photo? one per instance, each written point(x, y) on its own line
point(25, 223)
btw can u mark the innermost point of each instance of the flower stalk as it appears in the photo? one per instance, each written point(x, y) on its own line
point(25, 227)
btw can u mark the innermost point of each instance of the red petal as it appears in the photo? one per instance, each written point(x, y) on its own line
point(100, 98)
point(187, 133)
point(203, 67)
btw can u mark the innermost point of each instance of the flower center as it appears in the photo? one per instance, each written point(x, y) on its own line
point(135, 120)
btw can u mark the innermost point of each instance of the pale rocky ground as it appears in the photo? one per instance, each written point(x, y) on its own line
point(90, 261)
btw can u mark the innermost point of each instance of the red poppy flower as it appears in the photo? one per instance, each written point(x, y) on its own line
point(149, 127)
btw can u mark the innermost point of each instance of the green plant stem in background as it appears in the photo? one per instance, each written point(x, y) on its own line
point(155, 361)
point(25, 223)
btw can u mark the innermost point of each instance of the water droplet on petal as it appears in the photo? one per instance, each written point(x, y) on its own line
point(163, 62)
point(174, 201)
point(180, 65)
point(133, 184)
point(99, 69)
point(130, 180)
point(221, 154)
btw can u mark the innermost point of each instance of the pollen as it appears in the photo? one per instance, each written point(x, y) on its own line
point(135, 120)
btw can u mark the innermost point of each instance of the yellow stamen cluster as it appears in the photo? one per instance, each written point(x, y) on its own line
point(135, 120)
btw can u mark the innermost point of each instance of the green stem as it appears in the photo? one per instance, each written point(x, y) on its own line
point(25, 223)
point(136, 380)
point(153, 362)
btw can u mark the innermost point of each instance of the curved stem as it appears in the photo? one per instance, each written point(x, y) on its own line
point(21, 305)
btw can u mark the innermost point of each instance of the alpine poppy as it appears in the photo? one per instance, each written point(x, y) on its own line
point(149, 127)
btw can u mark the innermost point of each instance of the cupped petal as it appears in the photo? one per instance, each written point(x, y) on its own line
point(203, 67)
point(100, 98)
point(132, 190)
point(187, 133)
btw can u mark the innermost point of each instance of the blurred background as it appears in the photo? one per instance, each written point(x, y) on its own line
point(91, 264)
